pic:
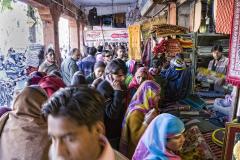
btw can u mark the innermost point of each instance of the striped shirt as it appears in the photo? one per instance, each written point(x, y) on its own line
point(220, 66)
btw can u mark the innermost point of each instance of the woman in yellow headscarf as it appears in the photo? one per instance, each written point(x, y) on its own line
point(141, 111)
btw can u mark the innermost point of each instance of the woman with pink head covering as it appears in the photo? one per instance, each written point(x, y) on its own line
point(141, 75)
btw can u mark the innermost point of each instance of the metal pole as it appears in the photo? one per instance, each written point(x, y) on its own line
point(236, 105)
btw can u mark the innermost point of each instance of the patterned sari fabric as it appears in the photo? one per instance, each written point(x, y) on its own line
point(143, 101)
point(131, 66)
point(233, 74)
point(143, 98)
point(131, 69)
point(23, 131)
point(152, 145)
point(195, 146)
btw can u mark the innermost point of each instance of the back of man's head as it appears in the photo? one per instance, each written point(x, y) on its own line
point(78, 79)
point(71, 53)
point(82, 104)
point(100, 48)
point(92, 51)
point(121, 47)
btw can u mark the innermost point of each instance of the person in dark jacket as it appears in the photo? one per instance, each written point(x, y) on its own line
point(114, 90)
point(86, 64)
point(69, 66)
point(178, 80)
point(41, 55)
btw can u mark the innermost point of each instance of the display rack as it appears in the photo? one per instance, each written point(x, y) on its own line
point(204, 44)
point(200, 53)
point(190, 55)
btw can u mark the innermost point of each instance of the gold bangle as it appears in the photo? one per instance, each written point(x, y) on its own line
point(215, 140)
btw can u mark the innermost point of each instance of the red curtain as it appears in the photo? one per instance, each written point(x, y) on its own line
point(224, 16)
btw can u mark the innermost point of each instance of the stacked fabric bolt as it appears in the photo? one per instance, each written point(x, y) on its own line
point(186, 43)
point(210, 74)
point(160, 48)
point(167, 29)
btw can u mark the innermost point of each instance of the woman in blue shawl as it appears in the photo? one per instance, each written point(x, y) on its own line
point(162, 139)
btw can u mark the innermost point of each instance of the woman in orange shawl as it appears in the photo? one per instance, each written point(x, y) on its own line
point(23, 131)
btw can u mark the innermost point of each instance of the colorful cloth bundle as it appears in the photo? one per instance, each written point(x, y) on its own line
point(186, 43)
point(210, 94)
point(209, 74)
point(168, 29)
point(194, 101)
point(195, 146)
point(161, 47)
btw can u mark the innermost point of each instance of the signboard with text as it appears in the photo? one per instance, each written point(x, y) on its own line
point(100, 37)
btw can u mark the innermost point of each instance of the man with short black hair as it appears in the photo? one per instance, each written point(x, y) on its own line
point(107, 56)
point(99, 56)
point(220, 62)
point(75, 125)
point(69, 66)
point(121, 53)
point(114, 90)
point(86, 65)
point(99, 49)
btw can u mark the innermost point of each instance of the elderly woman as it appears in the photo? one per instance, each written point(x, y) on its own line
point(140, 76)
point(162, 139)
point(49, 64)
point(142, 109)
point(24, 131)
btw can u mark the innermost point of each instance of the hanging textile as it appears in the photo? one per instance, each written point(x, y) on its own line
point(146, 25)
point(146, 55)
point(233, 75)
point(134, 42)
point(224, 16)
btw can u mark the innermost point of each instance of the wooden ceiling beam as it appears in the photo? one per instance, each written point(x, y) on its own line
point(37, 3)
point(69, 9)
point(46, 17)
